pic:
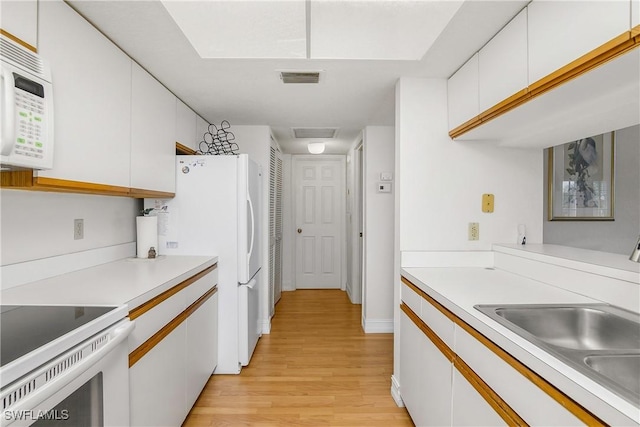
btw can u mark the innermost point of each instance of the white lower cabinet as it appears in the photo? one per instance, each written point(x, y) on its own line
point(201, 353)
point(469, 408)
point(156, 383)
point(170, 370)
point(435, 351)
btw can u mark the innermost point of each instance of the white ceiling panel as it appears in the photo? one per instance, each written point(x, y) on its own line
point(242, 29)
point(377, 29)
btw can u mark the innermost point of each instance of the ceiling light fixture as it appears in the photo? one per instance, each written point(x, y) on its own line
point(316, 147)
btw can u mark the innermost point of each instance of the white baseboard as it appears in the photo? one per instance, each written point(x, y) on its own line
point(266, 326)
point(395, 392)
point(377, 326)
point(31, 271)
point(287, 286)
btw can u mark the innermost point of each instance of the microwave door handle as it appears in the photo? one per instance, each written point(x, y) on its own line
point(8, 121)
point(253, 226)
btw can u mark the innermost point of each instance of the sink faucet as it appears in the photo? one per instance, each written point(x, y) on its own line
point(635, 255)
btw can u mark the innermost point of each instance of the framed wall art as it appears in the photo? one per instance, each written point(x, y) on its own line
point(581, 179)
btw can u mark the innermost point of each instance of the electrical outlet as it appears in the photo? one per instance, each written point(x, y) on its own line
point(78, 229)
point(474, 231)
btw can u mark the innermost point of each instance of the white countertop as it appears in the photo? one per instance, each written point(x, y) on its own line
point(130, 281)
point(459, 289)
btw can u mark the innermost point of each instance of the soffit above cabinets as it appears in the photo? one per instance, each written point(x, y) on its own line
point(315, 29)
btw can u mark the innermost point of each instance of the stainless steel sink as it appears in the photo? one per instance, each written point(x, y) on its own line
point(577, 327)
point(621, 368)
point(599, 340)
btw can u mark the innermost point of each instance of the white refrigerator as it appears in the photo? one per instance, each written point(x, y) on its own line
point(217, 211)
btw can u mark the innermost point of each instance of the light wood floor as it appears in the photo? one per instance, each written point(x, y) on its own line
point(316, 368)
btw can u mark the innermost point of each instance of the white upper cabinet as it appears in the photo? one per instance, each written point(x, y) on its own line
point(462, 92)
point(635, 13)
point(185, 125)
point(92, 98)
point(562, 31)
point(503, 63)
point(202, 127)
point(153, 130)
point(20, 18)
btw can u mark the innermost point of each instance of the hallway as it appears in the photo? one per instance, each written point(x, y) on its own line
point(316, 368)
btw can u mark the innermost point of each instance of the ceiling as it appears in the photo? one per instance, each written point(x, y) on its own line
point(224, 58)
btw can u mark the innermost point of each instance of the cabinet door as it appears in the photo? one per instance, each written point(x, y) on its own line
point(202, 348)
point(157, 383)
point(635, 13)
point(202, 127)
point(425, 377)
point(462, 93)
point(153, 130)
point(20, 18)
point(185, 125)
point(469, 407)
point(92, 98)
point(562, 31)
point(503, 63)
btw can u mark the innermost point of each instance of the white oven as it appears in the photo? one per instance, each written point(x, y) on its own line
point(86, 384)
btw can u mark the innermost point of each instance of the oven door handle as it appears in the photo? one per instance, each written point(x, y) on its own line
point(117, 335)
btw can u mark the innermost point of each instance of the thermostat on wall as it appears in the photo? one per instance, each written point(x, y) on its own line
point(384, 187)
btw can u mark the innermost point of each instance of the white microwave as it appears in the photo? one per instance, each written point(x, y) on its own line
point(26, 94)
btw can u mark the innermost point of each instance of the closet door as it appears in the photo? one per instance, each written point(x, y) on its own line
point(275, 228)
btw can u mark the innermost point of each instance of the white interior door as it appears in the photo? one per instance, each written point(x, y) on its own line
point(320, 215)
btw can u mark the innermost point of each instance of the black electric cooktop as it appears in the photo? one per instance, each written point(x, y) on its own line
point(26, 328)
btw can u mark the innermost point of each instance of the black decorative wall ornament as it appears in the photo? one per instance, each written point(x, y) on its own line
point(218, 140)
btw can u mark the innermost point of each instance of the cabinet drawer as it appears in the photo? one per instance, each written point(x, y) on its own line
point(411, 298)
point(200, 286)
point(155, 319)
point(527, 400)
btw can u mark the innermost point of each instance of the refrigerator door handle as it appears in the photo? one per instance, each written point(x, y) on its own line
point(252, 284)
point(253, 226)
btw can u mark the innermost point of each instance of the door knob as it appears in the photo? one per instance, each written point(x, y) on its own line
point(299, 230)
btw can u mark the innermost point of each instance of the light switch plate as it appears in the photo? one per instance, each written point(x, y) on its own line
point(487, 203)
point(386, 176)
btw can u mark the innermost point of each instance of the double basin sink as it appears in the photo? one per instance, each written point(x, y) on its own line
point(599, 340)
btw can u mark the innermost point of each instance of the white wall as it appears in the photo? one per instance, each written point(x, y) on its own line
point(441, 182)
point(379, 147)
point(38, 225)
point(255, 141)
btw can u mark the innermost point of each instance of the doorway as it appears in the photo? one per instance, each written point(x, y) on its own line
point(319, 188)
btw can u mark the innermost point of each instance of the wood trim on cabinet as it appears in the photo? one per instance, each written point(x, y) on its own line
point(501, 407)
point(16, 179)
point(143, 308)
point(435, 339)
point(156, 338)
point(184, 150)
point(567, 402)
point(18, 40)
point(140, 193)
point(25, 180)
point(615, 47)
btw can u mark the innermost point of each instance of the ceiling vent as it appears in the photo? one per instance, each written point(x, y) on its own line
point(300, 76)
point(325, 133)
